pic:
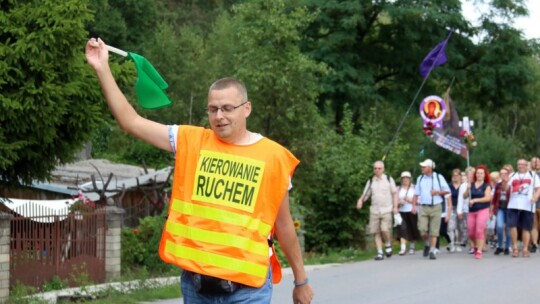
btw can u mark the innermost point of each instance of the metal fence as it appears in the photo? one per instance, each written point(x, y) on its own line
point(65, 244)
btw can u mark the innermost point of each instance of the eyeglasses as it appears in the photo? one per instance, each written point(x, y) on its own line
point(226, 109)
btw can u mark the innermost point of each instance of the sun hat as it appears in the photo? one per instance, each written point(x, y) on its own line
point(405, 174)
point(428, 163)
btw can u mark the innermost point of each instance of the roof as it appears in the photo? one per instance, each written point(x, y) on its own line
point(80, 172)
point(43, 211)
point(70, 178)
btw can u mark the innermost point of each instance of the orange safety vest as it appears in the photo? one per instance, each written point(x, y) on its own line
point(224, 202)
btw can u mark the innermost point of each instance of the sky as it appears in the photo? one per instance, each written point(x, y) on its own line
point(526, 24)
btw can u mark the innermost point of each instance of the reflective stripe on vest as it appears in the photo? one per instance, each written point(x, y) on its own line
point(217, 260)
point(223, 216)
point(253, 249)
point(224, 203)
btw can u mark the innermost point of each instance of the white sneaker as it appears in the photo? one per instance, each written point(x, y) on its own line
point(458, 248)
point(453, 249)
point(436, 251)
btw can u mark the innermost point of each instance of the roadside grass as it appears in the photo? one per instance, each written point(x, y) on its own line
point(135, 297)
point(148, 293)
point(173, 291)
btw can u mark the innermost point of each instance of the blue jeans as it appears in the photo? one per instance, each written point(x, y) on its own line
point(502, 228)
point(244, 295)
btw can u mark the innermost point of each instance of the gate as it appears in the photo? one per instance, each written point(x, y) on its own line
point(67, 244)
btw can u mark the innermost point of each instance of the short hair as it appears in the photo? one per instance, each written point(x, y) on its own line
point(227, 82)
point(380, 162)
point(456, 171)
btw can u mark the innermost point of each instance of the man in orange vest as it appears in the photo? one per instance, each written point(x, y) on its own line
point(230, 195)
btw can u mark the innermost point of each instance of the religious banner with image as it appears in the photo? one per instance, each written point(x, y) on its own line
point(448, 134)
point(432, 109)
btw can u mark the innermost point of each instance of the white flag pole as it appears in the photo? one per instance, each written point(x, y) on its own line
point(117, 51)
point(111, 49)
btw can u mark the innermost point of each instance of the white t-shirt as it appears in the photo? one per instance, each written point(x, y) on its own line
point(523, 186)
point(463, 203)
point(173, 135)
point(445, 203)
point(409, 194)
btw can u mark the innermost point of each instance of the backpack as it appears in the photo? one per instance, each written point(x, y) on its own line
point(530, 173)
point(369, 183)
point(440, 186)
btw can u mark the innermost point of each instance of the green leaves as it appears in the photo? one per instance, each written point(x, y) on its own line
point(47, 111)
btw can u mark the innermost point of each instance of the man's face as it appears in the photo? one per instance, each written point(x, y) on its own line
point(522, 165)
point(427, 170)
point(226, 114)
point(378, 169)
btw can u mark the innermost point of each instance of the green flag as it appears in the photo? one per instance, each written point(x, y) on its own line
point(150, 86)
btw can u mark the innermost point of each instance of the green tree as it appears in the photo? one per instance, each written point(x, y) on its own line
point(123, 23)
point(283, 81)
point(180, 56)
point(268, 60)
point(49, 103)
point(332, 187)
point(374, 48)
point(493, 149)
point(356, 63)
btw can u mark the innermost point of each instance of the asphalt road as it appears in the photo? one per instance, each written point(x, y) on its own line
point(452, 278)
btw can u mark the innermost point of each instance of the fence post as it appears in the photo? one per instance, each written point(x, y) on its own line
point(113, 245)
point(5, 236)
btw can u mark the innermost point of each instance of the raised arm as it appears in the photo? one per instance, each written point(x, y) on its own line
point(128, 119)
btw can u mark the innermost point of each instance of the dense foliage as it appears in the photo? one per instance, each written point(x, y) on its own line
point(331, 80)
point(49, 103)
point(140, 247)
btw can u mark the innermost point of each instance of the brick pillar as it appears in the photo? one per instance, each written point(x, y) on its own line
point(5, 235)
point(113, 245)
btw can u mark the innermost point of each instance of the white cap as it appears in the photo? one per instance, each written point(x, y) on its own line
point(428, 163)
point(405, 174)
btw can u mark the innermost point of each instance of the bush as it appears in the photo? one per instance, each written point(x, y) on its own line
point(337, 177)
point(55, 283)
point(140, 247)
